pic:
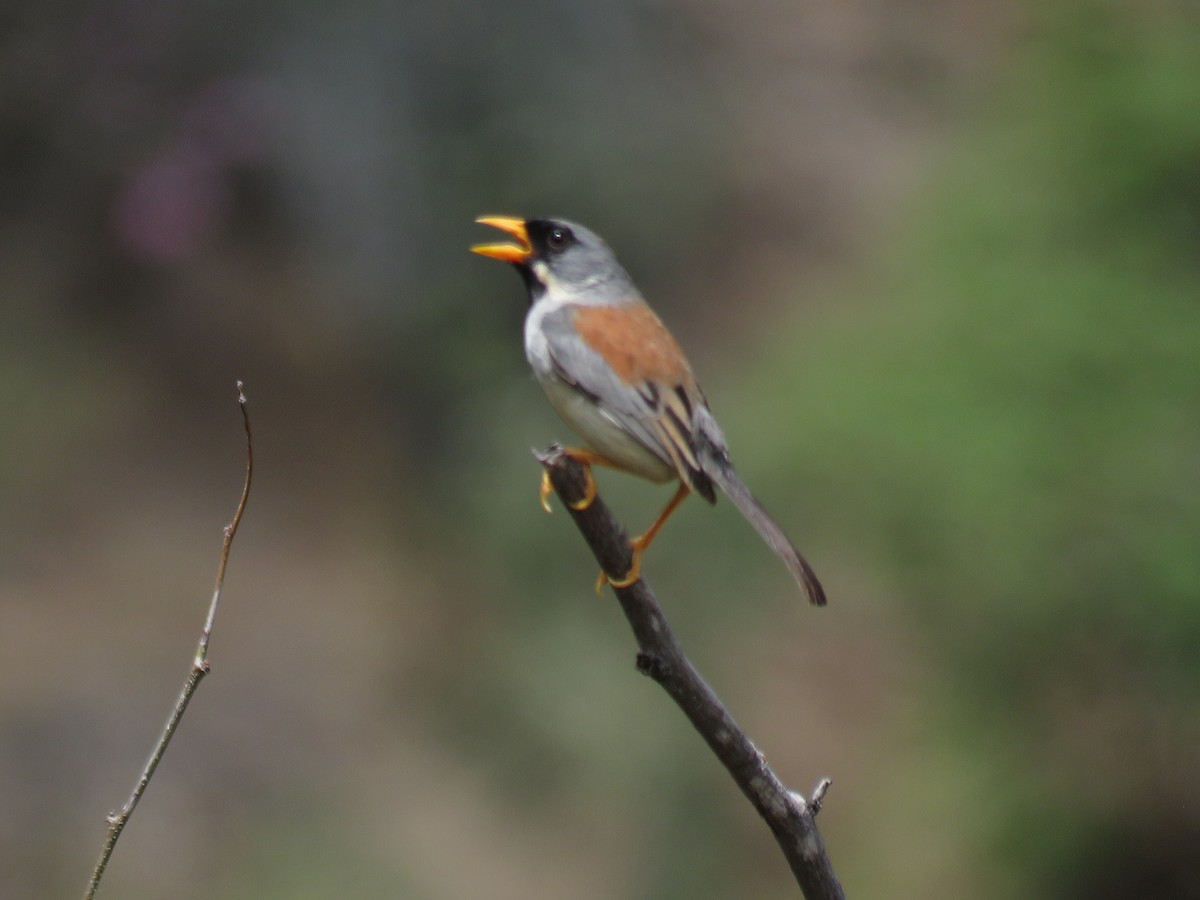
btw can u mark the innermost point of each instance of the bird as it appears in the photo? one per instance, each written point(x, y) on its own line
point(616, 376)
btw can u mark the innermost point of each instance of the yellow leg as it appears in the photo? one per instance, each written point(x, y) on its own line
point(586, 458)
point(641, 543)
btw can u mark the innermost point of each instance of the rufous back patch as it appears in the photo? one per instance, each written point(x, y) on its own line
point(634, 341)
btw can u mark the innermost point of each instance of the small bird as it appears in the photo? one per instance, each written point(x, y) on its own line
point(617, 377)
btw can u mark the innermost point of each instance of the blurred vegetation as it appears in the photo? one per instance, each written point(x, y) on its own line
point(1009, 438)
point(981, 421)
point(1015, 432)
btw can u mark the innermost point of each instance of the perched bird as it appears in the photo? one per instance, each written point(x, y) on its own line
point(617, 377)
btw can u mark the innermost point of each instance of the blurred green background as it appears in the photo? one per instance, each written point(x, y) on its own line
point(939, 268)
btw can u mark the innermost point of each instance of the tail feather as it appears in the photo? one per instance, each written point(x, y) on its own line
point(719, 469)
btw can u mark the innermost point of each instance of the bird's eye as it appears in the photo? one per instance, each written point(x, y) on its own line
point(558, 238)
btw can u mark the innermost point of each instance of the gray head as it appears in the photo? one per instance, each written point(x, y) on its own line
point(560, 255)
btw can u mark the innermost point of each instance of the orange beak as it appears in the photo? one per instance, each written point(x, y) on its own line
point(509, 253)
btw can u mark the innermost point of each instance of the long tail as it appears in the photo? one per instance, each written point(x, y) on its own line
point(719, 469)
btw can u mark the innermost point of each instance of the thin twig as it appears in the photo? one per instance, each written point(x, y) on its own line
point(660, 656)
point(818, 796)
point(200, 668)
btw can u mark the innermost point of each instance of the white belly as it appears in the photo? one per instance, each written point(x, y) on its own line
point(602, 434)
point(597, 429)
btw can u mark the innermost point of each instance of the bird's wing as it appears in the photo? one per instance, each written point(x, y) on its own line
point(625, 360)
point(635, 372)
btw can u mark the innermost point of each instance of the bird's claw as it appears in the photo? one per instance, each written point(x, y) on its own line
point(589, 489)
point(638, 545)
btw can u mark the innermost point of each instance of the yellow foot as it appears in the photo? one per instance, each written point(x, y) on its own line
point(639, 545)
point(589, 489)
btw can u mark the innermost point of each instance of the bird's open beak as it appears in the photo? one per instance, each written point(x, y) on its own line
point(509, 253)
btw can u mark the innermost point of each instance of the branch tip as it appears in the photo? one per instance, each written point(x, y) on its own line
point(660, 656)
point(549, 457)
point(200, 667)
point(818, 795)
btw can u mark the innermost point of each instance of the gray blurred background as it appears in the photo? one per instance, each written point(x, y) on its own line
point(938, 266)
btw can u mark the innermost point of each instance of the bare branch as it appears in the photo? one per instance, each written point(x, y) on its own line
point(660, 656)
point(200, 668)
point(818, 796)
